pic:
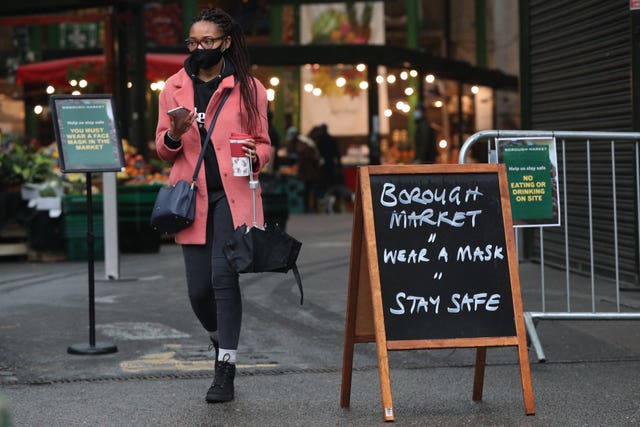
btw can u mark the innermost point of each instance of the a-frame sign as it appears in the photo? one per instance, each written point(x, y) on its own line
point(433, 265)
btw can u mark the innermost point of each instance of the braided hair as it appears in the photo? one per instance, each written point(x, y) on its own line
point(239, 56)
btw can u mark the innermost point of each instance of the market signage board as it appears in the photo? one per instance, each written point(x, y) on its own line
point(433, 265)
point(86, 133)
point(532, 172)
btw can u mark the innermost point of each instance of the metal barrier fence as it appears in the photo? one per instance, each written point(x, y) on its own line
point(595, 162)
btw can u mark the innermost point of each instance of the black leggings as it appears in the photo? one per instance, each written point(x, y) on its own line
point(214, 290)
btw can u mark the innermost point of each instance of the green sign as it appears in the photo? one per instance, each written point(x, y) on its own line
point(533, 190)
point(86, 133)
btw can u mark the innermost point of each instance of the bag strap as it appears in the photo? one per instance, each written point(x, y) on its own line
point(206, 141)
point(296, 274)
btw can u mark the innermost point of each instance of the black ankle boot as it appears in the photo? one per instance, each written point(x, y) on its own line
point(221, 389)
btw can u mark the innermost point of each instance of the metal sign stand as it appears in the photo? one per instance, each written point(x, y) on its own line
point(93, 347)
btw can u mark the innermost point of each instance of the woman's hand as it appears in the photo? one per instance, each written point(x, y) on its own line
point(180, 125)
point(249, 147)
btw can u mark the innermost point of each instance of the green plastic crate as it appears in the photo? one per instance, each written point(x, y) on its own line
point(78, 248)
point(78, 204)
point(76, 225)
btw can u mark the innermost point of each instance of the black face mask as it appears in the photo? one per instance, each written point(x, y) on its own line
point(206, 58)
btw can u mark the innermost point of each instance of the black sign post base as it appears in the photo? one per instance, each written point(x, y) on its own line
point(88, 349)
point(92, 348)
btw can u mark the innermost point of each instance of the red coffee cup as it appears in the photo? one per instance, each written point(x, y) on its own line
point(239, 159)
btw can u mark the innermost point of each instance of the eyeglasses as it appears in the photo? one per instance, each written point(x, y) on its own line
point(206, 42)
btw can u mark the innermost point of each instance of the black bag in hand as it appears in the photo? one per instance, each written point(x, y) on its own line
point(175, 207)
point(256, 250)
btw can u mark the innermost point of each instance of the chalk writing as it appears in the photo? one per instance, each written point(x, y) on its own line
point(404, 219)
point(416, 304)
point(389, 198)
point(442, 254)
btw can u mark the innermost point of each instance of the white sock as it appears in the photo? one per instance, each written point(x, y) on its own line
point(227, 355)
point(213, 335)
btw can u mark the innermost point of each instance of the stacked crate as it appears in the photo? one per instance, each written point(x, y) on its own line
point(75, 227)
point(135, 203)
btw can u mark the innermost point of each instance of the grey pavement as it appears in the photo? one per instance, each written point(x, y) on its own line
point(290, 356)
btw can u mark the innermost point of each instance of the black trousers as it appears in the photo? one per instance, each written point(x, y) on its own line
point(214, 289)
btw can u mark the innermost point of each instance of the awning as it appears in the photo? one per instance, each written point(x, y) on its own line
point(159, 67)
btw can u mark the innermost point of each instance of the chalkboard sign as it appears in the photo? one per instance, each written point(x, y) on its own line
point(442, 256)
point(433, 265)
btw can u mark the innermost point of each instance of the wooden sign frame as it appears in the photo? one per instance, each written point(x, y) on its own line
point(365, 316)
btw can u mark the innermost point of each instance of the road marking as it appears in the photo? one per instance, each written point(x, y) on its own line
point(167, 361)
point(140, 331)
point(329, 244)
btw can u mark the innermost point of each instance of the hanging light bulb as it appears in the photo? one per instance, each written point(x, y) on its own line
point(50, 89)
point(364, 85)
point(341, 81)
point(274, 81)
point(430, 78)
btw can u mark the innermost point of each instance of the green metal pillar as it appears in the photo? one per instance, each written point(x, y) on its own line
point(297, 95)
point(413, 42)
point(275, 24)
point(31, 122)
point(189, 10)
point(525, 75)
point(481, 33)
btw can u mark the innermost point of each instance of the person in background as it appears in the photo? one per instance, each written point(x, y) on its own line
point(307, 160)
point(274, 164)
point(425, 138)
point(330, 153)
point(218, 61)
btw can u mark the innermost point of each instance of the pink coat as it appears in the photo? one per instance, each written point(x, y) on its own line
point(178, 90)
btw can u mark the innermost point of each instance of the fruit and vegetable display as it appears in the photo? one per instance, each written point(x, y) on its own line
point(341, 26)
point(334, 26)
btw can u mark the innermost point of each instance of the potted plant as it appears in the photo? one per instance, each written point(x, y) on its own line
point(29, 188)
point(22, 163)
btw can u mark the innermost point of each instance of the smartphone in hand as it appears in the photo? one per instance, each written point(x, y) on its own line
point(179, 112)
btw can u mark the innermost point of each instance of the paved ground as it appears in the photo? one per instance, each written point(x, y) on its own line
point(290, 357)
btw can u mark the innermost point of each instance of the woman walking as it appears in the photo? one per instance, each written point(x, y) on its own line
point(218, 62)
